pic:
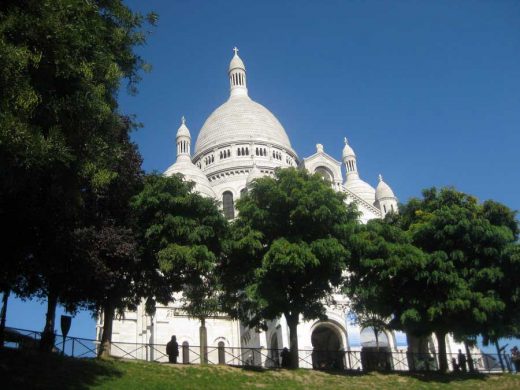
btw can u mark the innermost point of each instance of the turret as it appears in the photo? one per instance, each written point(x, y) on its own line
point(183, 140)
point(385, 198)
point(349, 159)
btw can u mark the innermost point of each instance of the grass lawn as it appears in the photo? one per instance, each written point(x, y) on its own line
point(31, 370)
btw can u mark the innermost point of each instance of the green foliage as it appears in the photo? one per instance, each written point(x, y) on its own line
point(288, 248)
point(62, 65)
point(180, 235)
point(443, 265)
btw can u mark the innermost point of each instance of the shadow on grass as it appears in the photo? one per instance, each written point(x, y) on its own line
point(426, 376)
point(32, 369)
point(421, 376)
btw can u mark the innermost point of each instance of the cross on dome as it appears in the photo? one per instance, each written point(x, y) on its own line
point(183, 120)
point(345, 140)
point(380, 177)
point(235, 49)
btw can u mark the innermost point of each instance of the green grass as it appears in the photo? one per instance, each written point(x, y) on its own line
point(23, 370)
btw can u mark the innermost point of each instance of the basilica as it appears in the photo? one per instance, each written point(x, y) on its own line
point(238, 143)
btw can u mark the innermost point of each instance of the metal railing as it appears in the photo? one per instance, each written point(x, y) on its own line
point(353, 360)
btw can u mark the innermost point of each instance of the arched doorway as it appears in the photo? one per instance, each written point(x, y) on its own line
point(327, 350)
point(375, 350)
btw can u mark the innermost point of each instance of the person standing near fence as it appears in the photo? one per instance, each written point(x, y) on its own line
point(172, 350)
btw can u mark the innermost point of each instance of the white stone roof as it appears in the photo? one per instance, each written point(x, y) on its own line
point(183, 130)
point(361, 188)
point(241, 119)
point(383, 190)
point(191, 172)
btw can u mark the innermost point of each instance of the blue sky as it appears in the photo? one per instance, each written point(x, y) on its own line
point(428, 92)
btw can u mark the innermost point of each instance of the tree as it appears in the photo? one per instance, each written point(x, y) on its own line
point(392, 278)
point(63, 62)
point(106, 247)
point(287, 250)
point(455, 255)
point(180, 236)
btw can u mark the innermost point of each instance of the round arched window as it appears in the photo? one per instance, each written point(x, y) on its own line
point(325, 173)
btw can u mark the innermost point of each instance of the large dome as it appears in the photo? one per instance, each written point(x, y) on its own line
point(241, 119)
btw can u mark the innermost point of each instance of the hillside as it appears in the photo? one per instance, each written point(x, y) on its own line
point(22, 370)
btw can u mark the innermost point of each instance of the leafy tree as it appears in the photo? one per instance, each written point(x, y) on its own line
point(106, 248)
point(287, 250)
point(450, 275)
point(62, 61)
point(392, 278)
point(180, 236)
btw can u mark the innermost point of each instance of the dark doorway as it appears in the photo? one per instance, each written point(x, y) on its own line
point(327, 351)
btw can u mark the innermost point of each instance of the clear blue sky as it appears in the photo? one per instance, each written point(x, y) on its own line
point(428, 92)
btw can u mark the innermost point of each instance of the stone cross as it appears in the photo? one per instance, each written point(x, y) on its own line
point(235, 49)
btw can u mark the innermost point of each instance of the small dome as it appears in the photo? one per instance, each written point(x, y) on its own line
point(347, 150)
point(361, 189)
point(183, 129)
point(383, 190)
point(254, 174)
point(236, 62)
point(191, 172)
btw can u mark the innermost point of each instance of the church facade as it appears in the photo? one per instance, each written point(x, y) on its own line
point(239, 142)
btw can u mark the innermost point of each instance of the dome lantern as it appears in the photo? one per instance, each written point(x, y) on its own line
point(237, 75)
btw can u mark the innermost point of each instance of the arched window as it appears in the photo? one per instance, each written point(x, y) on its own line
point(238, 152)
point(221, 353)
point(227, 205)
point(392, 207)
point(384, 208)
point(185, 353)
point(325, 173)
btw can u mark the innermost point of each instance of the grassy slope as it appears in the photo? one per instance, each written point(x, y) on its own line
point(34, 371)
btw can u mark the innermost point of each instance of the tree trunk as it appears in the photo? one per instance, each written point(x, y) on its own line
point(471, 366)
point(499, 352)
point(3, 314)
point(203, 336)
point(443, 360)
point(292, 321)
point(47, 341)
point(106, 335)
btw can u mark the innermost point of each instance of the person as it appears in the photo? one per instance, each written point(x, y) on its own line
point(515, 357)
point(462, 361)
point(455, 365)
point(172, 350)
point(285, 358)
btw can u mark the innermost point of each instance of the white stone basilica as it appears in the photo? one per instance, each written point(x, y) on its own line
point(239, 142)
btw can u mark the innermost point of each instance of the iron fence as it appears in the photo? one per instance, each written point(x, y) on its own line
point(352, 360)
